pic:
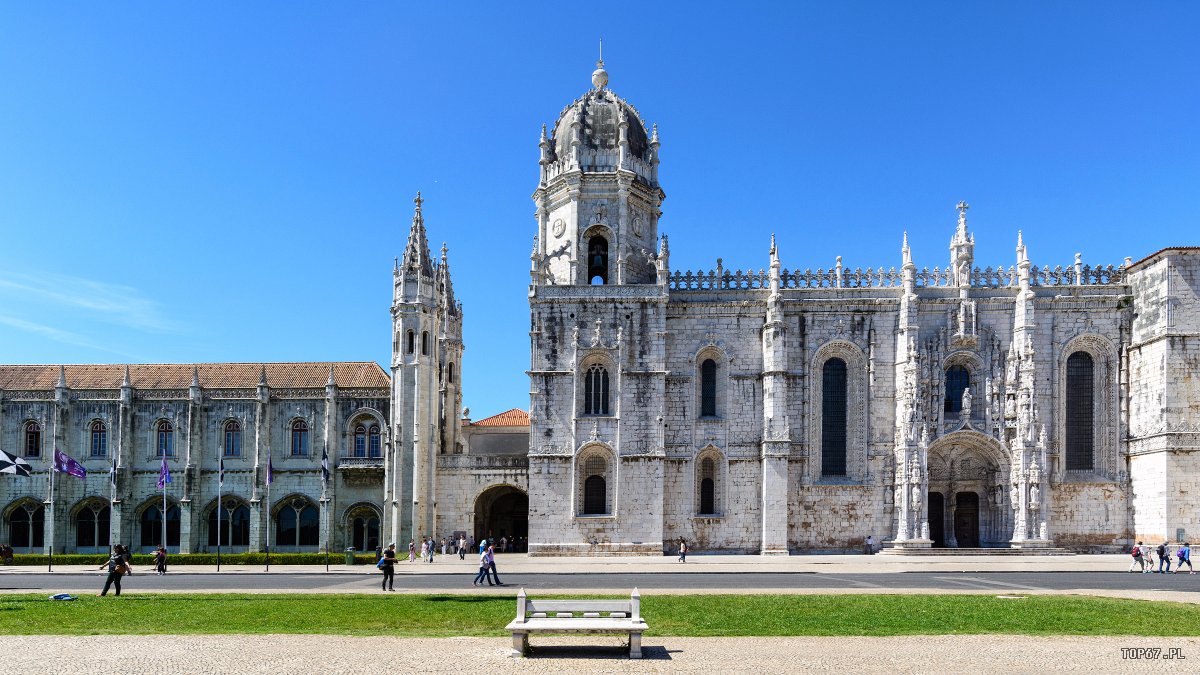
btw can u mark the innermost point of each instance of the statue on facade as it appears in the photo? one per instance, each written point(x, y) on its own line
point(1034, 494)
point(966, 403)
point(1014, 495)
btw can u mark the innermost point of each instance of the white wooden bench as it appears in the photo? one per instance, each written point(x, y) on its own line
point(578, 616)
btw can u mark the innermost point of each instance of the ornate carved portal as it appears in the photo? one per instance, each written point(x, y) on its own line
point(968, 502)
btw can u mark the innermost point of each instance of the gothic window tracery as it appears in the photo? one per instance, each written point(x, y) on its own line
point(98, 446)
point(297, 524)
point(26, 526)
point(374, 446)
point(595, 494)
point(595, 390)
point(299, 438)
point(833, 418)
point(958, 378)
point(360, 440)
point(708, 388)
point(235, 525)
point(1080, 417)
point(233, 439)
point(164, 445)
point(33, 439)
point(152, 526)
point(91, 526)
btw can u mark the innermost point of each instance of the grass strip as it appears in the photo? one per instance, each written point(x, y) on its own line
point(667, 615)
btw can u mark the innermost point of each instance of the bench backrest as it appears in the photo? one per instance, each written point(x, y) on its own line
point(630, 608)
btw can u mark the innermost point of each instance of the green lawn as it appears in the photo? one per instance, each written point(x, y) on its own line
point(668, 615)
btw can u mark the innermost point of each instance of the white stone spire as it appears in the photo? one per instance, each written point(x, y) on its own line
point(416, 254)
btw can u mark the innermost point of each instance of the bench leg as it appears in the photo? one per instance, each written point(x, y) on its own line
point(520, 644)
point(635, 645)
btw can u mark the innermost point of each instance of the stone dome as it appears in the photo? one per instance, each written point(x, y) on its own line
point(599, 113)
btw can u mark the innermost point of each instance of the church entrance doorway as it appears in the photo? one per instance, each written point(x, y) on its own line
point(936, 515)
point(502, 512)
point(966, 519)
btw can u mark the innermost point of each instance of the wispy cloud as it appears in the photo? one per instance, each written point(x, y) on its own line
point(56, 334)
point(112, 303)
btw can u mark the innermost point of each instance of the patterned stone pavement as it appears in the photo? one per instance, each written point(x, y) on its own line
point(298, 654)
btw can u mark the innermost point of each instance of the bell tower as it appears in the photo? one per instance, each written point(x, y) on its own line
point(598, 196)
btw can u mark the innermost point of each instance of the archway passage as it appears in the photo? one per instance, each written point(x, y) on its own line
point(936, 515)
point(966, 519)
point(503, 511)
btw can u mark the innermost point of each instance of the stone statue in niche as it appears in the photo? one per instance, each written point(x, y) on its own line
point(966, 403)
point(1014, 495)
point(916, 498)
point(1034, 494)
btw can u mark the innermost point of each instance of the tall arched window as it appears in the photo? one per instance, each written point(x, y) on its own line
point(374, 446)
point(91, 528)
point(99, 441)
point(595, 391)
point(450, 373)
point(165, 442)
point(1080, 418)
point(412, 342)
point(425, 343)
point(233, 439)
point(708, 388)
point(297, 525)
point(597, 261)
point(708, 492)
point(595, 497)
point(235, 526)
point(365, 532)
point(958, 378)
point(27, 527)
point(360, 440)
point(833, 418)
point(33, 439)
point(299, 438)
point(151, 523)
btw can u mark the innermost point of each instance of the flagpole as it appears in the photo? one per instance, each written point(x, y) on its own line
point(325, 497)
point(50, 559)
point(270, 470)
point(220, 509)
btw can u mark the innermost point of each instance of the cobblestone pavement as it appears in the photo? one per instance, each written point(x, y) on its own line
point(299, 654)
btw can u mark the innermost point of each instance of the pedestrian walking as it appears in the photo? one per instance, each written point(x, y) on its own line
point(462, 548)
point(1164, 558)
point(424, 549)
point(431, 544)
point(683, 550)
point(443, 546)
point(491, 556)
point(483, 570)
point(1185, 557)
point(116, 569)
point(1148, 556)
point(160, 561)
point(412, 550)
point(389, 567)
point(127, 557)
point(1137, 558)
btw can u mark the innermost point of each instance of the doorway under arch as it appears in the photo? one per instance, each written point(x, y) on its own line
point(968, 475)
point(503, 511)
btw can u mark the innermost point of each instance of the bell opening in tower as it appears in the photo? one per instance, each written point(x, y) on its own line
point(598, 261)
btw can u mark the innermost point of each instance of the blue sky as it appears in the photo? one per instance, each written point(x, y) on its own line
point(230, 181)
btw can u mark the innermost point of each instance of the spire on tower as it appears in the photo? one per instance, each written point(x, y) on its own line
point(416, 254)
point(600, 75)
point(444, 285)
point(905, 252)
point(125, 382)
point(62, 376)
point(262, 378)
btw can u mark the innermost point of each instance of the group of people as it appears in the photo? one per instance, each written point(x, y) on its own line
point(487, 565)
point(120, 563)
point(1143, 558)
point(487, 561)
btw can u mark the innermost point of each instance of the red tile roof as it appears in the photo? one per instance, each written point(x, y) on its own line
point(350, 374)
point(509, 418)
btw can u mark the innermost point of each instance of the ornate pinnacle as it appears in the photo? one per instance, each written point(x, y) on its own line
point(772, 244)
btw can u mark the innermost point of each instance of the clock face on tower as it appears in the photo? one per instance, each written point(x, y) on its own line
point(559, 227)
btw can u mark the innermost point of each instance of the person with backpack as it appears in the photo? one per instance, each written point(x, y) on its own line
point(1164, 558)
point(483, 570)
point(1185, 556)
point(1137, 558)
point(160, 561)
point(388, 565)
point(116, 569)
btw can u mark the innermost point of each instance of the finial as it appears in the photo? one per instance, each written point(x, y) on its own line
point(262, 378)
point(195, 375)
point(772, 244)
point(444, 249)
point(418, 201)
point(654, 133)
point(125, 377)
point(330, 382)
point(543, 131)
point(396, 265)
point(62, 376)
point(600, 75)
point(962, 207)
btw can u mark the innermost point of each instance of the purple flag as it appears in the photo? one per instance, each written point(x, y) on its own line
point(164, 475)
point(270, 471)
point(63, 463)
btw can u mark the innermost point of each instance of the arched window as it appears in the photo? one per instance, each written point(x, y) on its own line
point(299, 438)
point(235, 526)
point(152, 526)
point(360, 441)
point(99, 444)
point(365, 533)
point(91, 528)
point(412, 341)
point(374, 447)
point(595, 391)
point(958, 378)
point(708, 492)
point(708, 388)
point(297, 525)
point(425, 343)
point(233, 439)
point(33, 439)
point(27, 527)
point(1080, 418)
point(595, 497)
point(597, 261)
point(833, 418)
point(165, 445)
point(450, 373)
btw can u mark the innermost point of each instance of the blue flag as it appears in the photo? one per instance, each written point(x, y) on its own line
point(270, 471)
point(64, 463)
point(164, 475)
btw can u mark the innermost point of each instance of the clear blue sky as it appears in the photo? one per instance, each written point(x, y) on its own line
point(230, 181)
